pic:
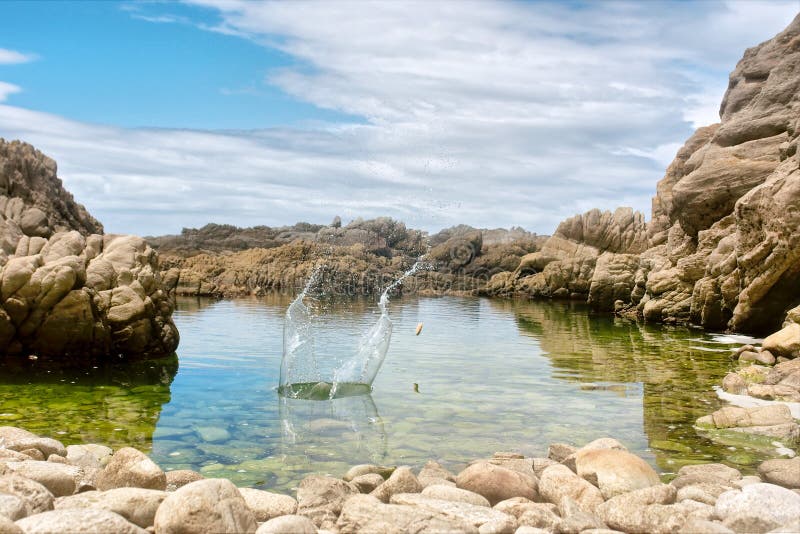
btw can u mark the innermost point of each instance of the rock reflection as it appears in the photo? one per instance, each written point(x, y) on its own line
point(672, 369)
point(110, 404)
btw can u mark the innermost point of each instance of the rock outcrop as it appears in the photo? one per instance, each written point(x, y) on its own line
point(722, 248)
point(67, 292)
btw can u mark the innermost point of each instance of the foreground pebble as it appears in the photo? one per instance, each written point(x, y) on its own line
point(600, 488)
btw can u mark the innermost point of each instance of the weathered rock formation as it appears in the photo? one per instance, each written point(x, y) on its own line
point(66, 291)
point(362, 257)
point(723, 246)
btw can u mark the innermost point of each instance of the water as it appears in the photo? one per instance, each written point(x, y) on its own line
point(484, 376)
point(314, 367)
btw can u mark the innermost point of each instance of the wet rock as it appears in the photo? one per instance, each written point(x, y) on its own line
point(366, 469)
point(367, 483)
point(89, 521)
point(774, 420)
point(496, 483)
point(403, 480)
point(470, 513)
point(764, 357)
point(782, 472)
point(288, 524)
point(434, 473)
point(735, 384)
point(136, 505)
point(37, 497)
point(12, 507)
point(559, 481)
point(57, 478)
point(129, 467)
point(211, 505)
point(615, 471)
point(321, 498)
point(266, 505)
point(180, 477)
point(760, 507)
point(784, 342)
point(365, 513)
point(449, 493)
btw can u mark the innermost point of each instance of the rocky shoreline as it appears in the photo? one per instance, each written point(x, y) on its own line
point(597, 488)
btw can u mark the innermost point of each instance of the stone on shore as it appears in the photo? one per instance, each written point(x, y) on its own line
point(497, 483)
point(89, 455)
point(59, 479)
point(129, 467)
point(288, 524)
point(12, 507)
point(615, 471)
point(136, 505)
point(37, 497)
point(757, 507)
point(785, 342)
point(449, 493)
point(403, 480)
point(7, 526)
point(433, 473)
point(321, 498)
point(782, 472)
point(180, 477)
point(773, 420)
point(367, 483)
point(211, 505)
point(475, 515)
point(266, 505)
point(558, 481)
point(91, 521)
point(18, 439)
point(365, 513)
point(645, 510)
point(366, 469)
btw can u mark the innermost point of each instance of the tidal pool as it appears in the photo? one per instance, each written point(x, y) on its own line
point(484, 376)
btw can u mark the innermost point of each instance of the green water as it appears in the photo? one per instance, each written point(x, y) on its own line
point(484, 376)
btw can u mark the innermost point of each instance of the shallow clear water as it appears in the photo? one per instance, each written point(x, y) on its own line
point(483, 376)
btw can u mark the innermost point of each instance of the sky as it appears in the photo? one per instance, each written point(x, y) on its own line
point(164, 115)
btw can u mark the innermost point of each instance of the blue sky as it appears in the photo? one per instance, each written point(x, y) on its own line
point(164, 115)
point(110, 63)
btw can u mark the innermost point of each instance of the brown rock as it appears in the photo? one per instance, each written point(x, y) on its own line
point(266, 505)
point(402, 480)
point(38, 498)
point(131, 468)
point(782, 472)
point(180, 477)
point(615, 471)
point(558, 482)
point(89, 521)
point(136, 505)
point(496, 483)
point(211, 505)
point(321, 498)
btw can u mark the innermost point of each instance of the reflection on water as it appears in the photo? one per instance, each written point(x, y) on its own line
point(485, 375)
point(117, 405)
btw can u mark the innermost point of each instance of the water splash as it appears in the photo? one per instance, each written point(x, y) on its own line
point(303, 370)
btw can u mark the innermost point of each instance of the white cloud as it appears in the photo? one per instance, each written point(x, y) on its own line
point(8, 89)
point(12, 57)
point(484, 113)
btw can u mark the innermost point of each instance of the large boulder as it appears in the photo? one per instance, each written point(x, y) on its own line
point(497, 483)
point(130, 468)
point(615, 471)
point(558, 481)
point(67, 292)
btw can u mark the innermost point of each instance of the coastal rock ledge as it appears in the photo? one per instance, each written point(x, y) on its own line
point(722, 248)
point(68, 292)
point(600, 487)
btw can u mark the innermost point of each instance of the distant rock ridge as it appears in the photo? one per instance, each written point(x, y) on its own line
point(722, 249)
point(67, 292)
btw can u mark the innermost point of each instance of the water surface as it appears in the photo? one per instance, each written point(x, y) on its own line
point(484, 376)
